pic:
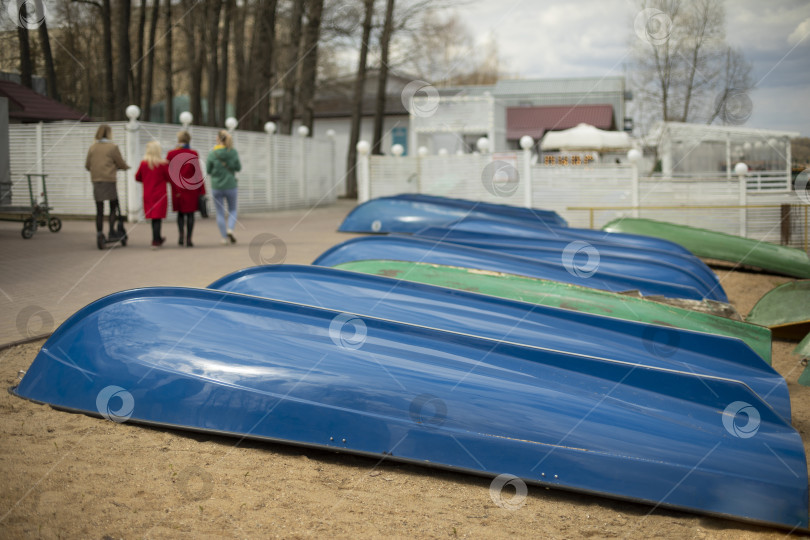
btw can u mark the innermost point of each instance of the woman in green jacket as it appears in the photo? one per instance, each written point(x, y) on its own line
point(222, 166)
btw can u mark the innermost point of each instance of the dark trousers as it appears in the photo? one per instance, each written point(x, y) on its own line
point(185, 226)
point(156, 230)
point(100, 215)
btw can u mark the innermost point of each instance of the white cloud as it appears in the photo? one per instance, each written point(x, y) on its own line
point(800, 33)
point(591, 38)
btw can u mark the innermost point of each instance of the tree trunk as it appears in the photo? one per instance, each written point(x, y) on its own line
point(357, 105)
point(213, 69)
point(138, 83)
point(309, 68)
point(262, 64)
point(150, 62)
point(168, 69)
point(123, 97)
point(109, 92)
point(50, 71)
point(379, 105)
point(195, 49)
point(290, 76)
point(242, 76)
point(26, 69)
point(222, 92)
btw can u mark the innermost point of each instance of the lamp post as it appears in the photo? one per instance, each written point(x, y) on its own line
point(131, 145)
point(526, 143)
point(270, 129)
point(634, 156)
point(741, 169)
point(302, 132)
point(363, 180)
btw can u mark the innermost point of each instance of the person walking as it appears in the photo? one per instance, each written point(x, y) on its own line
point(222, 165)
point(103, 161)
point(154, 174)
point(187, 184)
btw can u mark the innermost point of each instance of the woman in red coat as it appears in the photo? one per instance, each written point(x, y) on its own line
point(154, 174)
point(187, 183)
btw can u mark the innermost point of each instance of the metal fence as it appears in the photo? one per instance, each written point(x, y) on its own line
point(750, 205)
point(278, 171)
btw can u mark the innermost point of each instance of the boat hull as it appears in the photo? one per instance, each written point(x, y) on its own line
point(630, 261)
point(238, 365)
point(578, 272)
point(571, 297)
point(411, 213)
point(516, 322)
point(785, 310)
point(548, 232)
point(721, 246)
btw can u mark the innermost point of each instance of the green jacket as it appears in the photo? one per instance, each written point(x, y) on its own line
point(222, 166)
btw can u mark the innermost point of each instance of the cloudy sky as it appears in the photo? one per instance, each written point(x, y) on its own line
point(587, 38)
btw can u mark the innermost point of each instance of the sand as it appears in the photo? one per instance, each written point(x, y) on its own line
point(73, 476)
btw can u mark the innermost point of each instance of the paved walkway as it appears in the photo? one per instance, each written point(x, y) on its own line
point(46, 279)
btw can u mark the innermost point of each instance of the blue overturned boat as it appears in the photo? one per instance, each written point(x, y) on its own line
point(501, 319)
point(630, 261)
point(541, 231)
point(580, 267)
point(225, 363)
point(410, 212)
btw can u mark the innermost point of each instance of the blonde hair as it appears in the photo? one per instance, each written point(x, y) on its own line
point(103, 132)
point(183, 137)
point(153, 155)
point(225, 138)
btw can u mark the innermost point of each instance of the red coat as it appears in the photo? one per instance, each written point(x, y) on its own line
point(154, 181)
point(186, 179)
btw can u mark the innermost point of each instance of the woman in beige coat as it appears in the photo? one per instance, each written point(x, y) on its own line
point(104, 160)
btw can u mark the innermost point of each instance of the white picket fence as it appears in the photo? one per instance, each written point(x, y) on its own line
point(278, 171)
point(615, 188)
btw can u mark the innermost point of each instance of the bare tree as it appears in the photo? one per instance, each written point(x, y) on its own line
point(440, 48)
point(310, 62)
point(138, 82)
point(169, 88)
point(684, 69)
point(150, 61)
point(732, 104)
point(357, 101)
point(243, 76)
point(225, 38)
point(290, 77)
point(212, 71)
point(109, 91)
point(26, 67)
point(382, 81)
point(122, 84)
point(254, 83)
point(105, 11)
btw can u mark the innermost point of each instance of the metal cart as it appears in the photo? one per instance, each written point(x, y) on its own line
point(34, 215)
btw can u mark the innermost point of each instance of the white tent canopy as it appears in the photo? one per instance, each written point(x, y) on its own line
point(585, 137)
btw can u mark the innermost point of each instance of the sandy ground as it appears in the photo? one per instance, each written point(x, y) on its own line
point(73, 476)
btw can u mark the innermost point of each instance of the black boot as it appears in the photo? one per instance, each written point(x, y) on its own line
point(181, 218)
point(189, 229)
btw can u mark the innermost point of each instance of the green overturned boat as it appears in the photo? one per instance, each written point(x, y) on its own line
point(715, 245)
point(785, 310)
point(567, 296)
